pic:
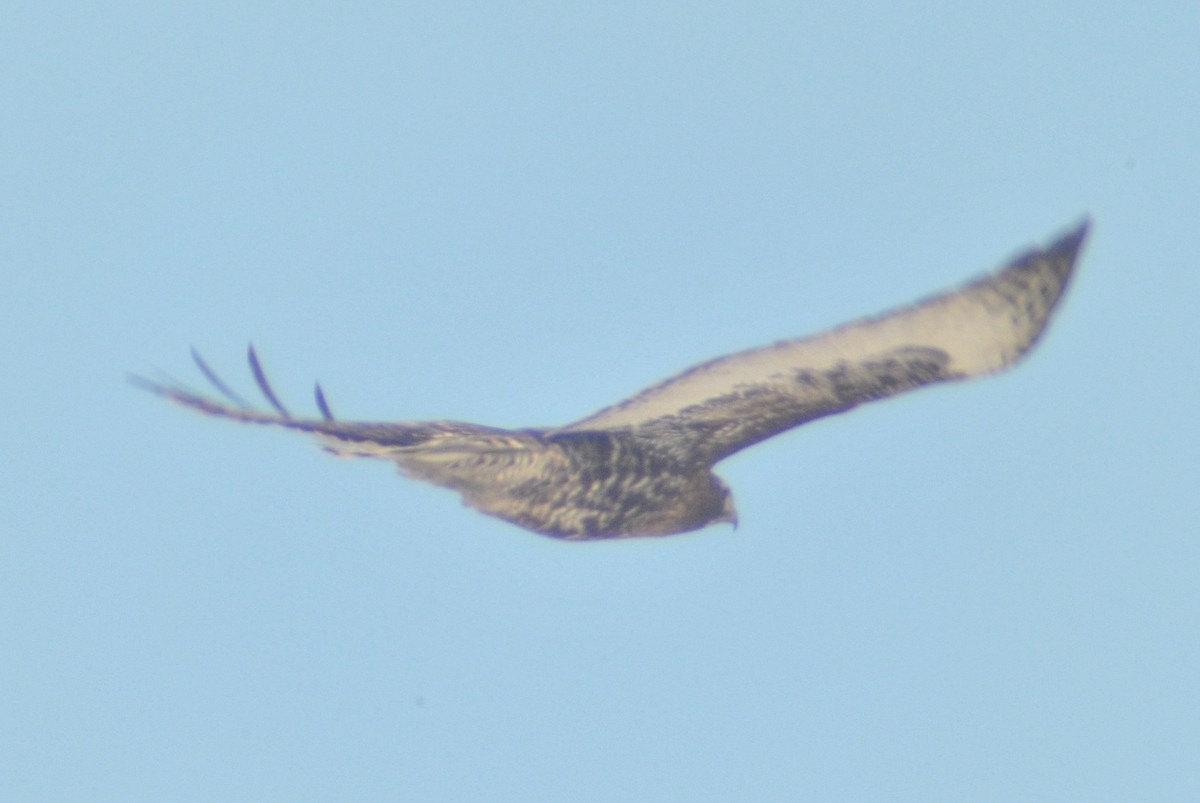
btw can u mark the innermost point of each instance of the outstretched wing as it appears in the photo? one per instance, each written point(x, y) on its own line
point(722, 406)
point(406, 443)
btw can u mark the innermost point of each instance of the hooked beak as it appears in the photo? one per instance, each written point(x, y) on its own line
point(729, 514)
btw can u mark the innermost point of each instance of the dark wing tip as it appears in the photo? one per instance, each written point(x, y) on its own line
point(1067, 247)
point(263, 384)
point(1057, 259)
point(322, 405)
point(1063, 253)
point(217, 382)
point(175, 391)
point(236, 408)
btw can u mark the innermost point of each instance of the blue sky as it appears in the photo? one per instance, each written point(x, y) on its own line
point(515, 215)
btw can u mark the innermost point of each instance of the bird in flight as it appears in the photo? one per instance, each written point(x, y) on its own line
point(643, 466)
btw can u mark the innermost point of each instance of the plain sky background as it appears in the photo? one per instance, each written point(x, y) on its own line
point(515, 214)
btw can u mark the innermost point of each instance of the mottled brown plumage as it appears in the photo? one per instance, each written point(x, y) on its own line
point(644, 466)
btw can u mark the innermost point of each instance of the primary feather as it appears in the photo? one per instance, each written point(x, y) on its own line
point(643, 466)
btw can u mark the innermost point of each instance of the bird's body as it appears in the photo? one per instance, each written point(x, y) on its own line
point(644, 466)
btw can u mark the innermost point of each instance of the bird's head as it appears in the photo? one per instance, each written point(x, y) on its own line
point(727, 512)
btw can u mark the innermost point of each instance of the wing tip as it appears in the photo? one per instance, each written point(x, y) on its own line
point(1067, 246)
point(264, 387)
point(1063, 253)
point(141, 382)
point(322, 404)
point(236, 407)
point(1054, 263)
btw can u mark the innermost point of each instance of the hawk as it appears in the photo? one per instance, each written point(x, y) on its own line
point(643, 466)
